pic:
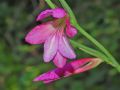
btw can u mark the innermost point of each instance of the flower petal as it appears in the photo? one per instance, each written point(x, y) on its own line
point(80, 62)
point(50, 47)
point(70, 31)
point(85, 64)
point(65, 48)
point(59, 60)
point(44, 14)
point(39, 33)
point(56, 13)
point(49, 76)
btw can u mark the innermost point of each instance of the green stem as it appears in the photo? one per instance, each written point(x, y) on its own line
point(49, 2)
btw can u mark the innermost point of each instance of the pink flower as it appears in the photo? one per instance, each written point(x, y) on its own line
point(69, 69)
point(54, 36)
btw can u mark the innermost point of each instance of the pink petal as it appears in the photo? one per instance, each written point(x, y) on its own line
point(65, 48)
point(49, 76)
point(39, 33)
point(70, 31)
point(50, 47)
point(56, 13)
point(87, 64)
point(44, 14)
point(80, 63)
point(59, 60)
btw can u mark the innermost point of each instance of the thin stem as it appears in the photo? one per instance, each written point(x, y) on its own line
point(49, 2)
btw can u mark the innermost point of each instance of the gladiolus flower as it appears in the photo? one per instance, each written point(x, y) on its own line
point(54, 36)
point(74, 67)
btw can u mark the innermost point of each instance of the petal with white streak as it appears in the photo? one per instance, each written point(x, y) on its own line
point(50, 47)
point(65, 48)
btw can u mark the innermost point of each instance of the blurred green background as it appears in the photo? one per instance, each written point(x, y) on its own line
point(21, 62)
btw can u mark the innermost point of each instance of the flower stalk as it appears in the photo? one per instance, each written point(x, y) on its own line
point(49, 2)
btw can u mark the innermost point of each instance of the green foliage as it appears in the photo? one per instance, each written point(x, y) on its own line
point(20, 63)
